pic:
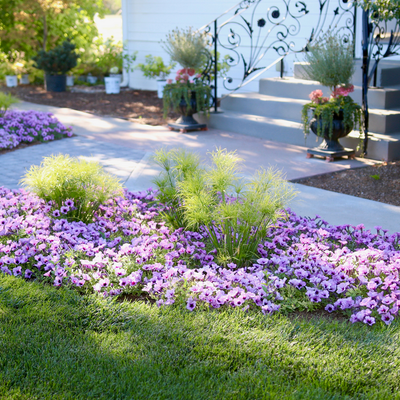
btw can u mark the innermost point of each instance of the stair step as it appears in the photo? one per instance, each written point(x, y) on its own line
point(258, 105)
point(384, 98)
point(384, 121)
point(264, 105)
point(381, 146)
point(388, 72)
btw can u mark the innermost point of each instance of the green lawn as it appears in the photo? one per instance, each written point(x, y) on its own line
point(56, 344)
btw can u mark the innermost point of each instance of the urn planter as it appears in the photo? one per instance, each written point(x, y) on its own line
point(56, 83)
point(186, 122)
point(331, 148)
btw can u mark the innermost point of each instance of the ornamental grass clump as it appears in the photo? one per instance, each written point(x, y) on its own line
point(74, 188)
point(233, 213)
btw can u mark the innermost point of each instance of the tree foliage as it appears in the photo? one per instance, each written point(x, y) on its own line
point(30, 25)
point(382, 10)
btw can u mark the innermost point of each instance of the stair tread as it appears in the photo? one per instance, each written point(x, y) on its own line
point(283, 122)
point(266, 97)
point(258, 118)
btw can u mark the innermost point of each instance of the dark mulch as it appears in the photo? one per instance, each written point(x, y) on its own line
point(380, 182)
point(142, 106)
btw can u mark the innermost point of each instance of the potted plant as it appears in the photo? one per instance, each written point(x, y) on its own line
point(330, 61)
point(56, 63)
point(24, 68)
point(113, 81)
point(154, 67)
point(112, 57)
point(9, 72)
point(188, 94)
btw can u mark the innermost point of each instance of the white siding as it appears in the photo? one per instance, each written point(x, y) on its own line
point(148, 22)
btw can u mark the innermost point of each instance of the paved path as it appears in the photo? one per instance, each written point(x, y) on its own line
point(125, 148)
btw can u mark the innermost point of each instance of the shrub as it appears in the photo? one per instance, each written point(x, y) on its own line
point(233, 213)
point(59, 60)
point(330, 61)
point(186, 47)
point(61, 178)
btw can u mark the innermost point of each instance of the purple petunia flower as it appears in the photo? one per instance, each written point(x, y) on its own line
point(191, 304)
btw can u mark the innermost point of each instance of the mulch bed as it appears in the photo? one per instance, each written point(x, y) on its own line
point(142, 106)
point(379, 182)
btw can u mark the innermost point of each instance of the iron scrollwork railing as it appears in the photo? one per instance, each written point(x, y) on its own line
point(250, 30)
point(380, 39)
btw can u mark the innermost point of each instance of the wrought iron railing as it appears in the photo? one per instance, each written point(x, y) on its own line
point(380, 39)
point(251, 29)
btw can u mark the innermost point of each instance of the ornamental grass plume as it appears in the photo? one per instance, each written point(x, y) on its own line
point(61, 178)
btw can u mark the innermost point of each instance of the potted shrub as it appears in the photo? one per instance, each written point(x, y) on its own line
point(24, 69)
point(112, 57)
point(188, 94)
point(56, 63)
point(9, 72)
point(113, 81)
point(330, 61)
point(154, 67)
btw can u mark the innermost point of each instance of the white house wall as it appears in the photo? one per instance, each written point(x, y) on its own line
point(148, 21)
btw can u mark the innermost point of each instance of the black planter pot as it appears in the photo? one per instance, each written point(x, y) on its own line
point(55, 83)
point(330, 148)
point(186, 122)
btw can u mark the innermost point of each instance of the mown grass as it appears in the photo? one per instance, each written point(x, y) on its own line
point(56, 344)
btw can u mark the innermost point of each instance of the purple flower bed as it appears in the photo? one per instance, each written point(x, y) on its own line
point(27, 126)
point(303, 263)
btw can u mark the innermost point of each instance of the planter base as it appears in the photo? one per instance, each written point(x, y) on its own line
point(330, 155)
point(185, 124)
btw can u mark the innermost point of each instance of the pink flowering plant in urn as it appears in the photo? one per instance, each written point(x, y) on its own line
point(189, 49)
point(330, 62)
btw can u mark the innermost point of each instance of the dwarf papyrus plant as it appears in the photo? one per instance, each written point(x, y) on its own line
point(235, 213)
point(61, 178)
point(6, 101)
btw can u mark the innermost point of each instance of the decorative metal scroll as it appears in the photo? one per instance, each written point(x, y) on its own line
point(381, 39)
point(255, 27)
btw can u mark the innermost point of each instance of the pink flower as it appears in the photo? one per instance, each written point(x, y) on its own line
point(169, 81)
point(315, 95)
point(343, 91)
point(190, 71)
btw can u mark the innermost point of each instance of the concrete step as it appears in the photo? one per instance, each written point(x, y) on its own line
point(381, 121)
point(384, 121)
point(288, 87)
point(388, 72)
point(264, 105)
point(381, 146)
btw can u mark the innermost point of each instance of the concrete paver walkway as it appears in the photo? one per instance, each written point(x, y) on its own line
point(125, 148)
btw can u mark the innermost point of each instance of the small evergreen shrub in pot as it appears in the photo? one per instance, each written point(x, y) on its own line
point(56, 63)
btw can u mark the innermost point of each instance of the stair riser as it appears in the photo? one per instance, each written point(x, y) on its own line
point(272, 109)
point(377, 98)
point(292, 112)
point(377, 149)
